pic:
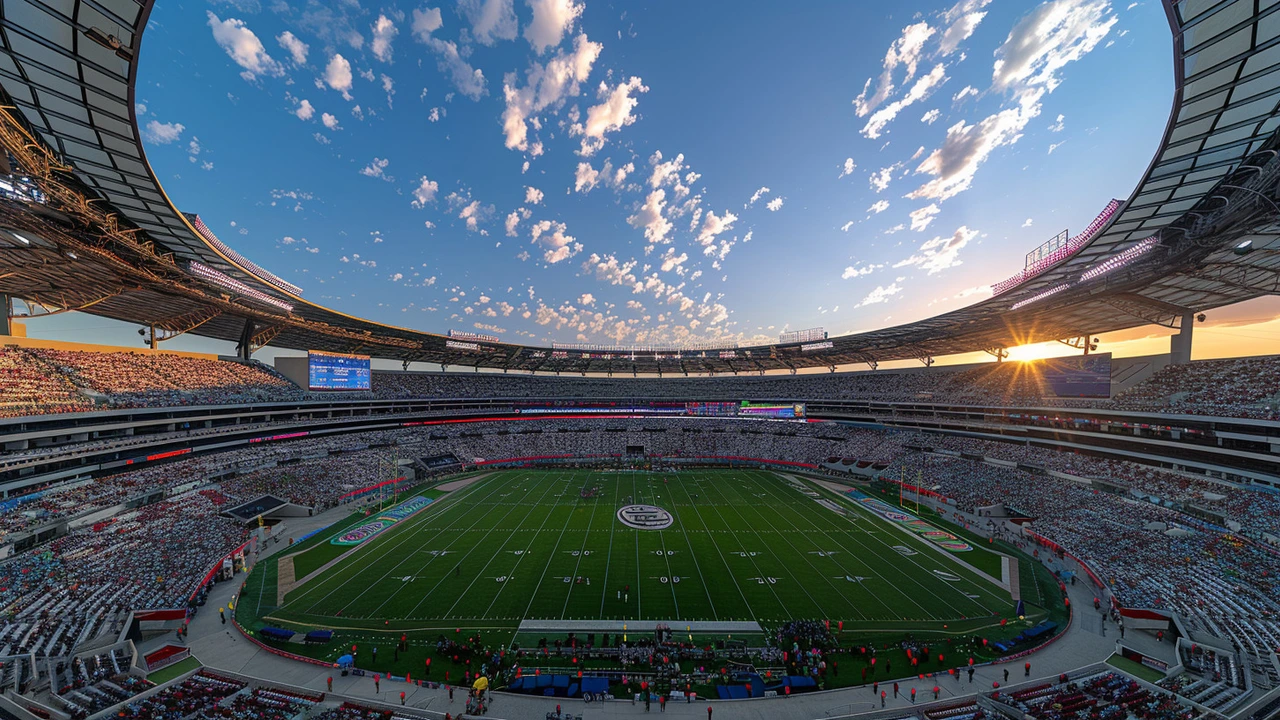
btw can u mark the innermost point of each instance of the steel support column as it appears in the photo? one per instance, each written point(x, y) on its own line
point(1180, 344)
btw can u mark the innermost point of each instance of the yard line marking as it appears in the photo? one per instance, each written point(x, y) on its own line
point(785, 503)
point(422, 567)
point(581, 554)
point(546, 567)
point(781, 563)
point(714, 614)
point(716, 545)
point(613, 527)
point(379, 550)
point(637, 536)
point(473, 549)
point(897, 557)
point(545, 516)
point(716, 508)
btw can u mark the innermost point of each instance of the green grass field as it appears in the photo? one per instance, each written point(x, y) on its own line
point(745, 545)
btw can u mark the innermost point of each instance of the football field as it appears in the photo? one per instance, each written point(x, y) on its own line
point(551, 544)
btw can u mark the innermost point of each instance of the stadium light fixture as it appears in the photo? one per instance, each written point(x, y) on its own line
point(1244, 248)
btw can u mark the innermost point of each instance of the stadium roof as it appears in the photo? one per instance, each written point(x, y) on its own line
point(91, 229)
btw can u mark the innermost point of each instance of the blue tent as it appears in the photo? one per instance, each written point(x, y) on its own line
point(272, 633)
point(346, 661)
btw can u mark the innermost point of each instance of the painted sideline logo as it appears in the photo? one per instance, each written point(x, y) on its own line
point(357, 535)
point(941, 538)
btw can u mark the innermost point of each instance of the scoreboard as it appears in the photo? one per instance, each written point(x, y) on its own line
point(336, 371)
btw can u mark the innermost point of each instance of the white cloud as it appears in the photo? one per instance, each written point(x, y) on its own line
point(337, 75)
point(546, 86)
point(377, 169)
point(921, 218)
point(297, 49)
point(975, 290)
point(329, 121)
point(845, 227)
point(1051, 36)
point(881, 294)
point(966, 91)
point(611, 115)
point(650, 217)
point(559, 246)
point(491, 20)
point(384, 32)
point(611, 270)
point(426, 22)
point(668, 172)
point(305, 110)
point(388, 87)
point(469, 81)
point(854, 271)
point(940, 253)
point(882, 177)
point(473, 214)
point(1058, 124)
point(930, 117)
point(775, 204)
point(922, 89)
point(966, 147)
point(671, 261)
point(905, 52)
point(1027, 223)
point(162, 133)
point(963, 19)
point(1028, 64)
point(585, 178)
point(878, 207)
point(756, 196)
point(425, 192)
point(532, 195)
point(1055, 146)
point(713, 225)
point(551, 20)
point(586, 299)
point(848, 168)
point(244, 47)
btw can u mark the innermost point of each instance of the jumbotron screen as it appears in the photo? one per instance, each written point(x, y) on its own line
point(783, 411)
point(1082, 376)
point(335, 371)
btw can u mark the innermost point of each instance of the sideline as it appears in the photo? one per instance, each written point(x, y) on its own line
point(955, 557)
point(282, 590)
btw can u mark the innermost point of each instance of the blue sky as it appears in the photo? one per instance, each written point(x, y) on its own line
point(551, 170)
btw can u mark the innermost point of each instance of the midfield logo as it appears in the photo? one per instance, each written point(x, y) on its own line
point(645, 517)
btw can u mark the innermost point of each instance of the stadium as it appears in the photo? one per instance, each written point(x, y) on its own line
point(344, 519)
